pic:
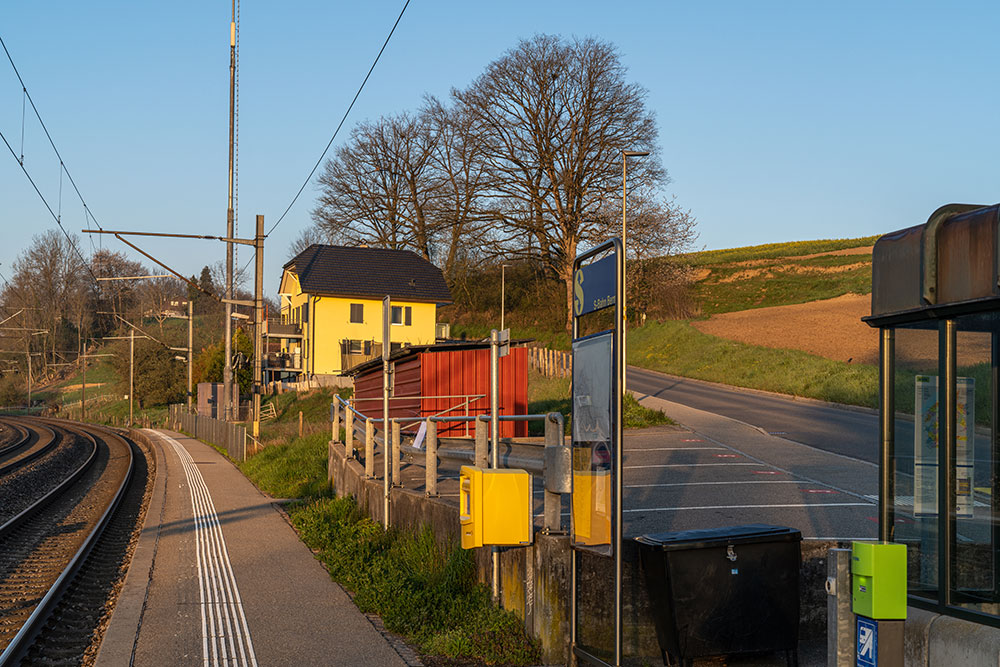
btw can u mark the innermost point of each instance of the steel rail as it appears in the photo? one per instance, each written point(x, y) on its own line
point(25, 435)
point(30, 456)
point(22, 640)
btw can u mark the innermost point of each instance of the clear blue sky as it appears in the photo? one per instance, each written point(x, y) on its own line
point(778, 121)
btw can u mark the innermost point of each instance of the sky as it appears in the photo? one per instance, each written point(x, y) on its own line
point(778, 121)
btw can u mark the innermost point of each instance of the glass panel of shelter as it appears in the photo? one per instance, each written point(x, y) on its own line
point(915, 461)
point(974, 510)
point(974, 542)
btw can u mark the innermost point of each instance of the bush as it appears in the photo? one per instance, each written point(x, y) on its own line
point(12, 390)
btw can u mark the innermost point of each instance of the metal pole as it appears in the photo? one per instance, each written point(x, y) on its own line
point(131, 373)
point(227, 371)
point(622, 321)
point(495, 443)
point(620, 441)
point(190, 352)
point(258, 323)
point(27, 355)
point(386, 450)
point(503, 291)
point(887, 458)
point(83, 387)
point(494, 399)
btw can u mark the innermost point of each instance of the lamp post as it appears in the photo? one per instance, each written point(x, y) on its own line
point(624, 322)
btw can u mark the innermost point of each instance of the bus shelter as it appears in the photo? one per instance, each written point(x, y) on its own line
point(936, 302)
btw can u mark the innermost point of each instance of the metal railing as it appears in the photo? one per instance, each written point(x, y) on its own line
point(467, 401)
point(225, 435)
point(550, 459)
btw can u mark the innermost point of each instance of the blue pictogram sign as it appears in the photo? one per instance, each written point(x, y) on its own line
point(867, 636)
point(594, 286)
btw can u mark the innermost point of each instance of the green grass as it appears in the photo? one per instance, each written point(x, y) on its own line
point(779, 285)
point(428, 594)
point(680, 349)
point(773, 250)
point(295, 470)
point(552, 395)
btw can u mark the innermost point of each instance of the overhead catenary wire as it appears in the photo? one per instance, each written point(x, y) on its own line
point(62, 164)
point(342, 121)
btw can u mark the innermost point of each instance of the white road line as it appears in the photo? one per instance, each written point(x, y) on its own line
point(670, 449)
point(738, 507)
point(225, 634)
point(753, 481)
point(696, 465)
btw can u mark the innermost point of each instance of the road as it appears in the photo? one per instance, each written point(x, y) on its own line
point(852, 433)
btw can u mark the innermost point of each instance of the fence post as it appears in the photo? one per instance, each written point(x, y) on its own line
point(349, 435)
point(481, 429)
point(335, 429)
point(557, 473)
point(431, 469)
point(369, 448)
point(395, 454)
point(300, 423)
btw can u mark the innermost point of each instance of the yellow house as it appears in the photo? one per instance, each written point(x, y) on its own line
point(331, 308)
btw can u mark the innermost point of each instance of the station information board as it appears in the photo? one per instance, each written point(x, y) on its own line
point(593, 442)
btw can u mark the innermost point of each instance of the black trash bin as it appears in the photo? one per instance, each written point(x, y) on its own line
point(724, 591)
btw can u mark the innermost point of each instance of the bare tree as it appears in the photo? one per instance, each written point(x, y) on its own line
point(379, 188)
point(463, 179)
point(308, 236)
point(554, 117)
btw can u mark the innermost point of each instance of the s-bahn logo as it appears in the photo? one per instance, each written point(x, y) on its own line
point(594, 286)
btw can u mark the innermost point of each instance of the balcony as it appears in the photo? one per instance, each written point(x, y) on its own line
point(275, 329)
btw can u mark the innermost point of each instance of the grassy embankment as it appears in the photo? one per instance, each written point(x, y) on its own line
point(428, 594)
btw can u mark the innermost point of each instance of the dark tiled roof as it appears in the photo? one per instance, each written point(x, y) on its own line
point(369, 272)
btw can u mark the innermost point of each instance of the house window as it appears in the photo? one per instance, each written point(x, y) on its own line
point(358, 313)
point(353, 346)
point(395, 346)
point(401, 315)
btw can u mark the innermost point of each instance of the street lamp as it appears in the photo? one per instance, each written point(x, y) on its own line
point(625, 156)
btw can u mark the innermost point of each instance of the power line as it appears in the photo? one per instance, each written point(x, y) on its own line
point(341, 124)
point(51, 212)
point(62, 166)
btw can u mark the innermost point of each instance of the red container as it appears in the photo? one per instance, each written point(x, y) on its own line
point(447, 380)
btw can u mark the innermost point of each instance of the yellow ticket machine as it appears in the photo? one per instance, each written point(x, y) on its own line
point(494, 507)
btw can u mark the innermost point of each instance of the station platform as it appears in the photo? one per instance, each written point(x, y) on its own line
point(220, 578)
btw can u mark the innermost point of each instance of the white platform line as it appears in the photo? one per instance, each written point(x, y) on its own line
point(752, 481)
point(225, 633)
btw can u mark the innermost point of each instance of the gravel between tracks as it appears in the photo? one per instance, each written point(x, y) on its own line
point(22, 487)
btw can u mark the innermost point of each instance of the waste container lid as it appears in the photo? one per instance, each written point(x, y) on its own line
point(709, 537)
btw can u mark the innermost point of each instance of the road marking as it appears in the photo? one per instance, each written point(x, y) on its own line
point(766, 472)
point(688, 465)
point(672, 449)
point(752, 481)
point(737, 507)
point(727, 456)
point(224, 631)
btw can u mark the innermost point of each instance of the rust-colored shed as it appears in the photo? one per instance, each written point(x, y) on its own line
point(446, 379)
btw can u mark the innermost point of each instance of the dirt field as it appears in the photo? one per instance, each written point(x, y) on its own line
point(831, 328)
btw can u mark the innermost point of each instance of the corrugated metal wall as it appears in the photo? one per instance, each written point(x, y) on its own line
point(453, 373)
point(467, 372)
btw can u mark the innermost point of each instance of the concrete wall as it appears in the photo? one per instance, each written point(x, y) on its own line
point(535, 580)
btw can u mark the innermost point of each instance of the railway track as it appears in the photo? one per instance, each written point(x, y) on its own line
point(62, 556)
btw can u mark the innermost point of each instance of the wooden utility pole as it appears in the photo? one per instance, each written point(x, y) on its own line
point(190, 350)
point(131, 372)
point(227, 368)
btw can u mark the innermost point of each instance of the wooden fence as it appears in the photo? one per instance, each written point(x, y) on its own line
point(550, 363)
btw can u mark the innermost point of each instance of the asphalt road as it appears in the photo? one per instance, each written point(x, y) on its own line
point(852, 433)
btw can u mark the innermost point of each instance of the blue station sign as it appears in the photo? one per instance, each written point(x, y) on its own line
point(594, 286)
